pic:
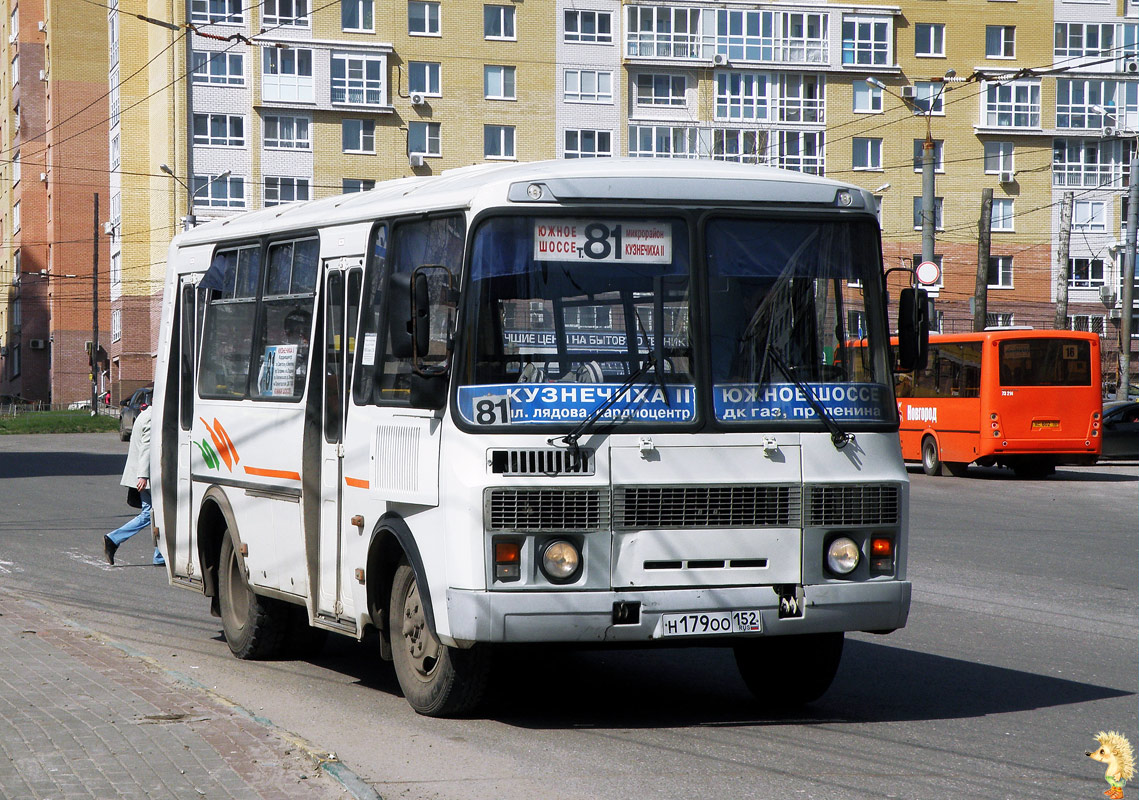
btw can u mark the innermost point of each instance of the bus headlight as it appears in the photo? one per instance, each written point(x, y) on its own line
point(561, 561)
point(842, 556)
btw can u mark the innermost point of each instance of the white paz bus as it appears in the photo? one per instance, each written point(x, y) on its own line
point(598, 401)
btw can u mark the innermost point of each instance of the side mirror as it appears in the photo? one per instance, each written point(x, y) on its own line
point(913, 329)
point(410, 311)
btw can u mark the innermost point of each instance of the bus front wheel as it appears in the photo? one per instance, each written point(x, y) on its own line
point(254, 626)
point(930, 460)
point(784, 672)
point(437, 680)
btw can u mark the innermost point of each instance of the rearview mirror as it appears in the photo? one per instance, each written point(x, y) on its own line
point(913, 329)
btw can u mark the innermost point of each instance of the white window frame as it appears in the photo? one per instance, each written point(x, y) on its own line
point(576, 33)
point(1092, 323)
point(870, 150)
point(499, 143)
point(1015, 104)
point(1089, 163)
point(506, 23)
point(934, 39)
point(115, 158)
point(663, 141)
point(205, 62)
point(218, 12)
point(278, 186)
point(766, 35)
point(116, 275)
point(281, 16)
point(224, 193)
point(429, 133)
point(929, 95)
point(234, 135)
point(744, 96)
point(15, 69)
point(365, 11)
point(364, 135)
point(1004, 220)
point(116, 323)
point(601, 143)
point(1000, 41)
point(867, 41)
point(16, 216)
point(1083, 39)
point(361, 90)
point(287, 75)
point(17, 167)
point(499, 82)
point(425, 78)
point(661, 90)
point(588, 86)
point(431, 17)
point(114, 98)
point(1090, 267)
point(872, 95)
point(292, 132)
point(802, 151)
point(938, 155)
point(999, 158)
point(353, 185)
point(1089, 216)
point(938, 217)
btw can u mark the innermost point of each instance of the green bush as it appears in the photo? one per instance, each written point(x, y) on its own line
point(57, 422)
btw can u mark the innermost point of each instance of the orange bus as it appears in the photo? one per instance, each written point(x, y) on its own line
point(1025, 399)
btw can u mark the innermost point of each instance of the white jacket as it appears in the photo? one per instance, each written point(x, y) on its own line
point(138, 457)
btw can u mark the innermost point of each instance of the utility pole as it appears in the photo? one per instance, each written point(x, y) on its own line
point(1126, 294)
point(984, 248)
point(1063, 265)
point(927, 200)
point(95, 310)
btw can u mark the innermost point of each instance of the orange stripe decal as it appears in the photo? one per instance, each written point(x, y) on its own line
point(273, 473)
point(219, 443)
point(228, 442)
point(357, 483)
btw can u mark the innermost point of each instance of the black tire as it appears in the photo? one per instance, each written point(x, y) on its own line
point(955, 468)
point(784, 672)
point(930, 460)
point(438, 681)
point(254, 627)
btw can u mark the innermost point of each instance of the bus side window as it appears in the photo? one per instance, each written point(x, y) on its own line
point(281, 349)
point(926, 379)
point(234, 275)
point(371, 312)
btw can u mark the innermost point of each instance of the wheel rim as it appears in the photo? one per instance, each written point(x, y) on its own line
point(420, 644)
point(237, 609)
point(928, 454)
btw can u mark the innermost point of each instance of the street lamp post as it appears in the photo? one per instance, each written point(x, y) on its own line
point(190, 220)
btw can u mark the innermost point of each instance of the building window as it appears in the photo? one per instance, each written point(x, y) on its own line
point(1091, 163)
point(356, 15)
point(221, 69)
point(999, 319)
point(774, 36)
point(357, 80)
point(115, 154)
point(15, 70)
point(929, 39)
point(937, 220)
point(1000, 41)
point(865, 41)
point(1077, 39)
point(498, 83)
point(14, 20)
point(938, 154)
point(423, 18)
point(1085, 273)
point(589, 27)
point(287, 75)
point(285, 190)
point(287, 133)
point(929, 97)
point(353, 185)
point(659, 90)
point(1012, 105)
point(17, 169)
point(286, 12)
point(1000, 272)
point(358, 135)
point(1002, 217)
point(1081, 104)
point(1092, 323)
point(663, 141)
point(16, 216)
point(800, 97)
point(588, 86)
point(498, 141)
point(222, 130)
point(224, 193)
point(116, 211)
point(116, 275)
point(423, 139)
point(116, 322)
point(867, 98)
point(498, 22)
point(113, 98)
point(998, 158)
point(423, 78)
point(867, 153)
point(217, 11)
point(113, 35)
point(1089, 216)
point(742, 96)
point(588, 144)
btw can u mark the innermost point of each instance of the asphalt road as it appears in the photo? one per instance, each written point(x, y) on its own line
point(1023, 642)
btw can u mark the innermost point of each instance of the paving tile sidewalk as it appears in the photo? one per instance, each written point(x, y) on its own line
point(82, 718)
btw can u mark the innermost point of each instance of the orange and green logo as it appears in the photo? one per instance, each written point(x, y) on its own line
point(225, 450)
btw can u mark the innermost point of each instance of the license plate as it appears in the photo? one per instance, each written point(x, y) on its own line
point(710, 623)
point(1045, 423)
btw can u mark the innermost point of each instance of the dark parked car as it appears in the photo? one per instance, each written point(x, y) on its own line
point(131, 406)
point(1121, 429)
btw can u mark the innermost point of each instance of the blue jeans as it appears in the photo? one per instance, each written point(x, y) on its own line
point(141, 522)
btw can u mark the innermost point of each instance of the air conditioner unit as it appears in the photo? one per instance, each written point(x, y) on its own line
point(37, 344)
point(908, 92)
point(41, 26)
point(720, 59)
point(1114, 313)
point(1006, 176)
point(417, 99)
point(1131, 65)
point(43, 74)
point(415, 159)
point(43, 177)
point(12, 37)
point(1108, 132)
point(109, 228)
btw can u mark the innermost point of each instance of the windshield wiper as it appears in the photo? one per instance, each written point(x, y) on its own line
point(583, 427)
point(839, 437)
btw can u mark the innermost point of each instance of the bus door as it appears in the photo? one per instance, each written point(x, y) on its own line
point(192, 306)
point(342, 283)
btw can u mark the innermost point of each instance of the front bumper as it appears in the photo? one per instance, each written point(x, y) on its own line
point(480, 616)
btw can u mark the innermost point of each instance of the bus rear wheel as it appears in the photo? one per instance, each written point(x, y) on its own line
point(254, 626)
point(784, 672)
point(437, 680)
point(930, 460)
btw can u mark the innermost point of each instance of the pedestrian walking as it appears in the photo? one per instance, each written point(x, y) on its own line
point(136, 475)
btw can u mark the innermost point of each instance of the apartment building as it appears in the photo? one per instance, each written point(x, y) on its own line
point(53, 133)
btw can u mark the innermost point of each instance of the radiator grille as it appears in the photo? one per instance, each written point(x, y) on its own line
point(706, 507)
point(859, 504)
point(546, 509)
point(541, 462)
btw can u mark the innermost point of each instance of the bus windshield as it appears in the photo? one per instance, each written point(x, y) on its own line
point(1045, 362)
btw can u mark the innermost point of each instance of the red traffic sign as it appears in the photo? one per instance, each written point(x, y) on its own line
point(927, 273)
